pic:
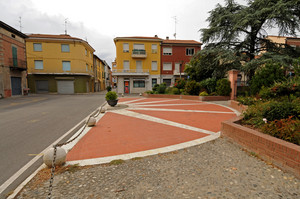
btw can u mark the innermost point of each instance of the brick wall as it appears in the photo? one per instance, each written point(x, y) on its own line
point(280, 153)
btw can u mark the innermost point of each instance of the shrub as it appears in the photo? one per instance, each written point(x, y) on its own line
point(111, 95)
point(223, 87)
point(149, 92)
point(180, 83)
point(209, 85)
point(285, 129)
point(253, 115)
point(204, 93)
point(246, 100)
point(161, 89)
point(266, 76)
point(169, 90)
point(175, 91)
point(108, 88)
point(155, 87)
point(274, 110)
point(192, 88)
point(213, 94)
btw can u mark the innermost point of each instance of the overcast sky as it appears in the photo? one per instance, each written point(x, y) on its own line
point(99, 21)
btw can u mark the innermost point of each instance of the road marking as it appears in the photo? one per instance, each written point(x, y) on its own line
point(40, 154)
point(8, 182)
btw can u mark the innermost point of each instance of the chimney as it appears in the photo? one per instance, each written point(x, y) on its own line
point(155, 36)
point(167, 38)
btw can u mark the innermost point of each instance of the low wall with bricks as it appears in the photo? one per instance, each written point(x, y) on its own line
point(280, 153)
point(237, 106)
point(190, 97)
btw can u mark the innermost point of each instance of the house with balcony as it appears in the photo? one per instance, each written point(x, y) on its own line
point(99, 74)
point(12, 61)
point(137, 64)
point(59, 64)
point(174, 55)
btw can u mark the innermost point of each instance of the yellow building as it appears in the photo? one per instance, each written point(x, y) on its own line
point(99, 74)
point(138, 64)
point(59, 63)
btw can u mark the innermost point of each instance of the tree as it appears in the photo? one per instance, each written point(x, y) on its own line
point(243, 28)
point(212, 63)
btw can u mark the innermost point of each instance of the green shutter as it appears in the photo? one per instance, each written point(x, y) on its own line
point(14, 55)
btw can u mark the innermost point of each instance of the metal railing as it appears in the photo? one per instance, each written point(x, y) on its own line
point(138, 52)
point(130, 70)
point(19, 63)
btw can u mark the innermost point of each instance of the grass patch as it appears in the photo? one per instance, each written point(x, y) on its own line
point(137, 158)
point(116, 162)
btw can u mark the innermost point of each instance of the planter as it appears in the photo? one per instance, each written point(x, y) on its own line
point(280, 153)
point(112, 102)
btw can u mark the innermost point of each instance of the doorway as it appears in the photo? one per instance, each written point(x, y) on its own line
point(126, 86)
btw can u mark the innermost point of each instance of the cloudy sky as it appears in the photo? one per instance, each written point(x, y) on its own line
point(99, 21)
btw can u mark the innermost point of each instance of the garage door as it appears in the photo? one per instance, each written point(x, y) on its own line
point(16, 86)
point(42, 86)
point(65, 87)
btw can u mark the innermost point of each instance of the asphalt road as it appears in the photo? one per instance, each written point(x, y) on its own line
point(29, 124)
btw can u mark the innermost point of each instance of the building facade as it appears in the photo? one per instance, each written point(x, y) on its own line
point(12, 61)
point(174, 55)
point(137, 66)
point(99, 74)
point(60, 64)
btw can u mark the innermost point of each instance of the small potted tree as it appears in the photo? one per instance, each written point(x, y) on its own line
point(111, 98)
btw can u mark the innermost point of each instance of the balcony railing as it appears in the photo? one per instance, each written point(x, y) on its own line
point(137, 53)
point(130, 72)
point(17, 64)
point(61, 71)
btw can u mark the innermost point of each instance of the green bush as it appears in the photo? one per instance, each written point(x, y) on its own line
point(169, 90)
point(285, 129)
point(180, 83)
point(223, 87)
point(266, 77)
point(253, 115)
point(175, 91)
point(213, 94)
point(204, 93)
point(155, 87)
point(108, 88)
point(274, 110)
point(161, 89)
point(246, 100)
point(192, 88)
point(209, 85)
point(111, 95)
point(149, 92)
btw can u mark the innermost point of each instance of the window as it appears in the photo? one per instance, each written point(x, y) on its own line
point(87, 67)
point(37, 47)
point(138, 83)
point(38, 64)
point(167, 51)
point(190, 51)
point(154, 81)
point(66, 65)
point(125, 47)
point(167, 81)
point(86, 53)
point(154, 48)
point(139, 66)
point(65, 48)
point(14, 56)
point(154, 65)
point(126, 65)
point(139, 46)
point(177, 67)
point(167, 66)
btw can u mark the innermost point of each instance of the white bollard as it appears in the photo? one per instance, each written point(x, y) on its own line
point(92, 121)
point(122, 94)
point(140, 94)
point(102, 110)
point(60, 157)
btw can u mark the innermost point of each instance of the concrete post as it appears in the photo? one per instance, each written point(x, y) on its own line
point(232, 76)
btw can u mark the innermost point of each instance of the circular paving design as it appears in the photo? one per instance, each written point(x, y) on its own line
point(149, 126)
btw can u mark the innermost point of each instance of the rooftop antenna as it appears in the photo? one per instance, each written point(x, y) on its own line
point(66, 21)
point(20, 23)
point(175, 21)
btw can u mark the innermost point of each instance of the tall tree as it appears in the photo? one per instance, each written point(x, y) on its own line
point(243, 28)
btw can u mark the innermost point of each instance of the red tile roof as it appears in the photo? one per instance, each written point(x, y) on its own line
point(168, 41)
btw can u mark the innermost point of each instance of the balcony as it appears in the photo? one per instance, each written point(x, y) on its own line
point(17, 64)
point(137, 53)
point(176, 72)
point(58, 71)
point(130, 72)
